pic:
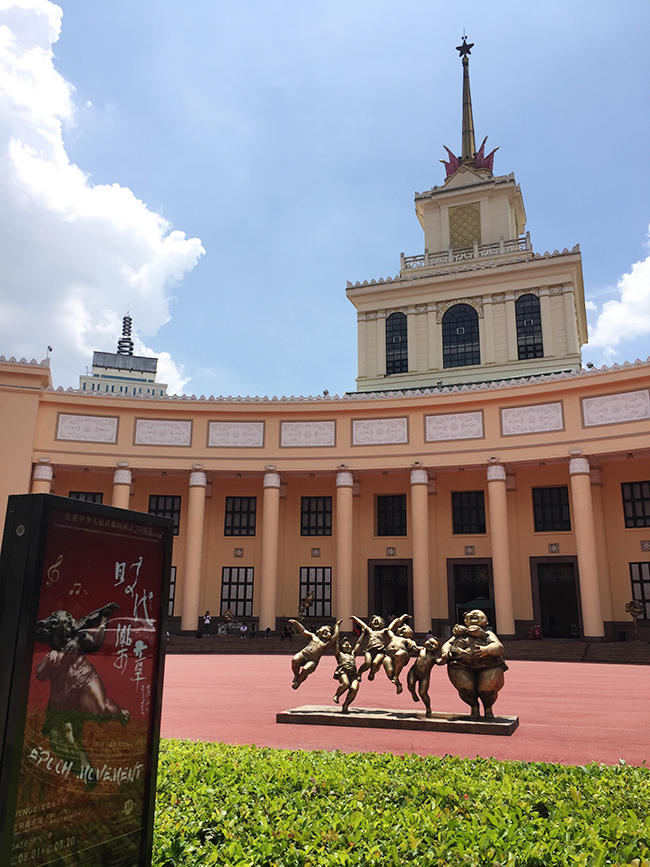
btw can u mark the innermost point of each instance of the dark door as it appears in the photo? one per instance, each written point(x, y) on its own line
point(472, 584)
point(558, 600)
point(391, 592)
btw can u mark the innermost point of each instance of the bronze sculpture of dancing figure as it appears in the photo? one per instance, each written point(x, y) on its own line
point(420, 672)
point(378, 638)
point(346, 671)
point(307, 659)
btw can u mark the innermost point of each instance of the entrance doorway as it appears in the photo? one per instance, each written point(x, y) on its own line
point(390, 589)
point(471, 587)
point(558, 600)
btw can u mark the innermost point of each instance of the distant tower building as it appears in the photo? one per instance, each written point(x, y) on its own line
point(122, 372)
point(479, 304)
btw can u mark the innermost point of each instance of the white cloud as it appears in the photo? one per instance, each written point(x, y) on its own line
point(628, 316)
point(75, 256)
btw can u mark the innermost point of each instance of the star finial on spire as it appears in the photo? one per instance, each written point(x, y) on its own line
point(465, 48)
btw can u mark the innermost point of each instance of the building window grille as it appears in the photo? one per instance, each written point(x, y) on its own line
point(391, 515)
point(460, 337)
point(172, 592)
point(237, 590)
point(636, 503)
point(87, 496)
point(396, 344)
point(240, 516)
point(316, 516)
point(551, 509)
point(317, 581)
point(640, 576)
point(468, 511)
point(166, 507)
point(529, 327)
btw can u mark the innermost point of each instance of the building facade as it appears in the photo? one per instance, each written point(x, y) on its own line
point(477, 464)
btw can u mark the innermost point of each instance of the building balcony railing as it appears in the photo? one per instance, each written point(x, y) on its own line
point(463, 254)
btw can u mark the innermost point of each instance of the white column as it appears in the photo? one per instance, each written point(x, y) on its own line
point(411, 339)
point(381, 342)
point(500, 541)
point(361, 345)
point(269, 566)
point(585, 531)
point(487, 354)
point(571, 321)
point(121, 488)
point(193, 551)
point(547, 324)
point(435, 339)
point(342, 608)
point(511, 327)
point(42, 479)
point(420, 549)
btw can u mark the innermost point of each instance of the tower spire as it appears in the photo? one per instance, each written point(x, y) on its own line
point(125, 344)
point(469, 143)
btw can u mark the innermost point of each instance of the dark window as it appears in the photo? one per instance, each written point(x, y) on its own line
point(460, 340)
point(640, 575)
point(166, 507)
point(87, 496)
point(316, 516)
point(391, 515)
point(636, 503)
point(529, 327)
point(237, 590)
point(317, 580)
point(172, 592)
point(396, 344)
point(240, 516)
point(551, 509)
point(468, 510)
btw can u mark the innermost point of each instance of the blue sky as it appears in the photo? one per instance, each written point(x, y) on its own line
point(281, 143)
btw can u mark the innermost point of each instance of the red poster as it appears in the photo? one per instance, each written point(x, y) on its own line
point(86, 753)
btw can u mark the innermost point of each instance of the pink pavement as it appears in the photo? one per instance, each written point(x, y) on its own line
point(572, 713)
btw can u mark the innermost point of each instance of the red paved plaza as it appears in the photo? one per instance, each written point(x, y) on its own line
point(574, 713)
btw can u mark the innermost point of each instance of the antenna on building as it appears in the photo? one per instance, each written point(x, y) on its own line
point(125, 344)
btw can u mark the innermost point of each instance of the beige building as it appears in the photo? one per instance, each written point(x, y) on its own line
point(478, 463)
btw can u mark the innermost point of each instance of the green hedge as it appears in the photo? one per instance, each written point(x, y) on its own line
point(243, 806)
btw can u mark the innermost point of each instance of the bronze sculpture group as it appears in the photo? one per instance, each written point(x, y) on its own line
point(473, 656)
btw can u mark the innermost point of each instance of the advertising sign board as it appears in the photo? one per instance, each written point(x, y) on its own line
point(83, 601)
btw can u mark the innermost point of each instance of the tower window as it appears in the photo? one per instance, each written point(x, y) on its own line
point(529, 327)
point(460, 338)
point(240, 516)
point(468, 512)
point(391, 515)
point(316, 516)
point(396, 344)
point(166, 507)
point(551, 509)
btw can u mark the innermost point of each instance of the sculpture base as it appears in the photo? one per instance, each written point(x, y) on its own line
point(378, 718)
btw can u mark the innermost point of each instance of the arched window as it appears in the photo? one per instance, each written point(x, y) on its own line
point(529, 327)
point(460, 340)
point(397, 360)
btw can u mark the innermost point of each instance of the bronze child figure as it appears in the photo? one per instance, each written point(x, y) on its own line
point(346, 672)
point(378, 638)
point(420, 672)
point(307, 659)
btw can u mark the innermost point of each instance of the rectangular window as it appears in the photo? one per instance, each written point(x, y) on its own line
point(240, 516)
point(468, 512)
point(172, 592)
point(87, 496)
point(391, 515)
point(640, 575)
point(166, 507)
point(237, 590)
point(636, 504)
point(551, 509)
point(316, 584)
point(316, 516)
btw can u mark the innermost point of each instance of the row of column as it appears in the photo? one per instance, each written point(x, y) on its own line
point(583, 520)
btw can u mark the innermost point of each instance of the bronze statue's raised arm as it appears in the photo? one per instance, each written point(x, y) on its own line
point(398, 621)
point(302, 629)
point(360, 623)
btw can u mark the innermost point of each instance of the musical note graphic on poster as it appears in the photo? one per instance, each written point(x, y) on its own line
point(76, 589)
point(53, 573)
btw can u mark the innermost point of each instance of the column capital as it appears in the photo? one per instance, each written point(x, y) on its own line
point(496, 473)
point(579, 466)
point(198, 479)
point(271, 480)
point(43, 473)
point(344, 480)
point(419, 477)
point(122, 477)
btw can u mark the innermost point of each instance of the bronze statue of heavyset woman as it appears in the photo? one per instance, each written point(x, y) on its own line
point(473, 656)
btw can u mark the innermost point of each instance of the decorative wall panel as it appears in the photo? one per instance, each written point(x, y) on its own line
point(155, 432)
point(615, 408)
point(236, 434)
point(308, 433)
point(454, 426)
point(532, 419)
point(380, 431)
point(87, 428)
